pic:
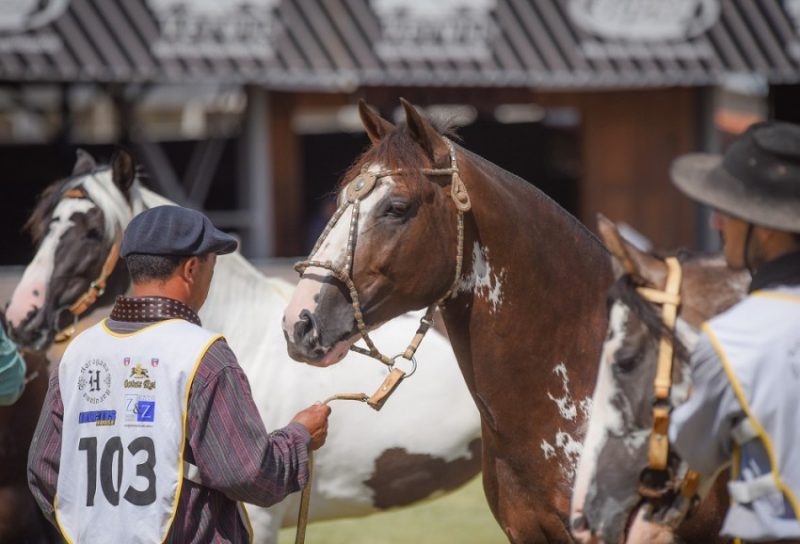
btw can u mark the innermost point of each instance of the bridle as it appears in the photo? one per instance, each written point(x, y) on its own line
point(658, 449)
point(355, 192)
point(98, 286)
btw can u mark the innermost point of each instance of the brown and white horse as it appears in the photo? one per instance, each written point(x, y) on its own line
point(20, 518)
point(367, 466)
point(526, 313)
point(615, 485)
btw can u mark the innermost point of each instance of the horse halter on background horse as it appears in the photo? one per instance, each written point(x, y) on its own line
point(97, 287)
point(355, 191)
point(684, 485)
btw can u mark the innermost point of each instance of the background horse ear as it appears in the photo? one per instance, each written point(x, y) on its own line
point(376, 126)
point(123, 169)
point(426, 135)
point(84, 164)
point(627, 259)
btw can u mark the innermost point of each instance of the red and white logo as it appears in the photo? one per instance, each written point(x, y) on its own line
point(126, 361)
point(154, 362)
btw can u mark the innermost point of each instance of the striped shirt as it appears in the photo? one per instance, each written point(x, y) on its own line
point(238, 460)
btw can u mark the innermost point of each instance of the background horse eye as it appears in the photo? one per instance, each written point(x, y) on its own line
point(625, 361)
point(94, 234)
point(397, 209)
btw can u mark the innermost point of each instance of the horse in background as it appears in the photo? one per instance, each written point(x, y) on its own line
point(21, 522)
point(521, 285)
point(616, 495)
point(371, 461)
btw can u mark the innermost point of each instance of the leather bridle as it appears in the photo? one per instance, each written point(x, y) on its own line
point(658, 450)
point(98, 286)
point(355, 192)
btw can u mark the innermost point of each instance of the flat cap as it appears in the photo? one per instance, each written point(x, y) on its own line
point(172, 230)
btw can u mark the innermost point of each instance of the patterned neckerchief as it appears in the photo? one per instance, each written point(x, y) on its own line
point(149, 309)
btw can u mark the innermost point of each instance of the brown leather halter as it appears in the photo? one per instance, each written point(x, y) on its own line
point(658, 451)
point(355, 191)
point(98, 286)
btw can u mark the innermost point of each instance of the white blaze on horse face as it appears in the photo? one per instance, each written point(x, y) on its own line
point(31, 292)
point(334, 249)
point(604, 418)
point(482, 280)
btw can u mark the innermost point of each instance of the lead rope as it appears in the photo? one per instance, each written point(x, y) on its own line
point(355, 191)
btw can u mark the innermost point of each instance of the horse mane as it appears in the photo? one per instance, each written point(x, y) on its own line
point(625, 290)
point(398, 150)
point(100, 188)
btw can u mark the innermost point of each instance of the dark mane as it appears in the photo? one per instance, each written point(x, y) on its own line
point(398, 149)
point(624, 290)
point(46, 203)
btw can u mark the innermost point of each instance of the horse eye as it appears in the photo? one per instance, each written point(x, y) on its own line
point(626, 360)
point(397, 209)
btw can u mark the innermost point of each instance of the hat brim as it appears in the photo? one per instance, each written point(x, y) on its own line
point(701, 177)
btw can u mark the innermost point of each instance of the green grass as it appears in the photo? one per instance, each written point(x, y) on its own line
point(462, 516)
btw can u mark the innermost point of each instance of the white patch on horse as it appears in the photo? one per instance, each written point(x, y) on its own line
point(548, 450)
point(31, 292)
point(117, 211)
point(571, 449)
point(566, 407)
point(482, 280)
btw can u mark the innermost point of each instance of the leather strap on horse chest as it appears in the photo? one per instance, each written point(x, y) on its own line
point(669, 299)
point(358, 189)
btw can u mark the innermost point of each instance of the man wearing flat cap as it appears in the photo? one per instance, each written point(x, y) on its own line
point(150, 433)
point(744, 408)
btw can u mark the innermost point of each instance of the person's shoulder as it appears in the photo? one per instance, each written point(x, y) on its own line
point(218, 358)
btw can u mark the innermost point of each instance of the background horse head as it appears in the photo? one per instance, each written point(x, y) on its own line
point(371, 461)
point(76, 224)
point(524, 309)
point(21, 521)
point(614, 464)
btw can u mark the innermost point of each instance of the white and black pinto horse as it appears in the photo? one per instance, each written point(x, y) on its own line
point(609, 503)
point(426, 438)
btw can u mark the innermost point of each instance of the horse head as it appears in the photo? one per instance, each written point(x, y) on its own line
point(77, 226)
point(615, 476)
point(396, 210)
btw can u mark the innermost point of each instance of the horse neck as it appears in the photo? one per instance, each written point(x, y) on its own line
point(532, 294)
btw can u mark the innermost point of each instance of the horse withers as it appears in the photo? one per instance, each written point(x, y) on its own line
point(371, 462)
point(521, 285)
point(616, 486)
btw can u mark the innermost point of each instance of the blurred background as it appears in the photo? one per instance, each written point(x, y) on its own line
point(247, 109)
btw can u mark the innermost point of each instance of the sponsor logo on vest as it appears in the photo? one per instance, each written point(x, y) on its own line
point(139, 409)
point(98, 417)
point(154, 362)
point(126, 361)
point(139, 379)
point(94, 382)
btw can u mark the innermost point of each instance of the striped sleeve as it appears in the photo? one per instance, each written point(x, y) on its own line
point(230, 445)
point(44, 454)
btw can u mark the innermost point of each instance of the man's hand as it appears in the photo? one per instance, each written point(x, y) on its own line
point(315, 419)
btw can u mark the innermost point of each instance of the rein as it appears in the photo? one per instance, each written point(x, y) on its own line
point(356, 191)
point(658, 450)
point(96, 287)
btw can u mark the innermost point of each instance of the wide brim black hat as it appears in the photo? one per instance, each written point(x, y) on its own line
point(757, 180)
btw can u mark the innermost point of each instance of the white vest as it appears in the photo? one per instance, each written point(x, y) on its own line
point(758, 342)
point(125, 404)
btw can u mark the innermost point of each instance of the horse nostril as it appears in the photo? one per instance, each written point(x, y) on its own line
point(579, 523)
point(305, 330)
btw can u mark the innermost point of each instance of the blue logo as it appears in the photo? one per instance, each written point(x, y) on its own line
point(99, 417)
point(146, 411)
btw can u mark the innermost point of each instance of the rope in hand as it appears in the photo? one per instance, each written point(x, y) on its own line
point(305, 496)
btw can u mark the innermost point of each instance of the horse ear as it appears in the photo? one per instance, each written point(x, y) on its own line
point(626, 258)
point(123, 170)
point(376, 126)
point(84, 163)
point(425, 135)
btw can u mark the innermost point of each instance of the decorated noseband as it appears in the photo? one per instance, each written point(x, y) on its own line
point(355, 192)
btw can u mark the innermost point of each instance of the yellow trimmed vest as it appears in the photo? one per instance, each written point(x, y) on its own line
point(125, 407)
point(758, 342)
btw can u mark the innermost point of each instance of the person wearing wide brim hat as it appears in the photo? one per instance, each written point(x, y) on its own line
point(149, 430)
point(746, 364)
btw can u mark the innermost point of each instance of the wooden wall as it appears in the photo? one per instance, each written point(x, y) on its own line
point(628, 139)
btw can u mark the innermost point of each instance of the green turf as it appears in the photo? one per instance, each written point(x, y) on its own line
point(462, 516)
